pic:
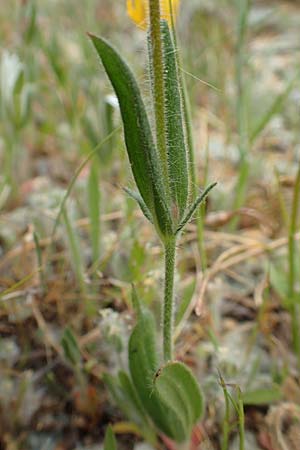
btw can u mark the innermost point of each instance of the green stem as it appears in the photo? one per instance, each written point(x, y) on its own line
point(170, 256)
point(158, 84)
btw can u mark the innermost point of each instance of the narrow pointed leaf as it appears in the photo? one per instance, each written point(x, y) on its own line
point(179, 390)
point(138, 136)
point(177, 153)
point(194, 206)
point(138, 198)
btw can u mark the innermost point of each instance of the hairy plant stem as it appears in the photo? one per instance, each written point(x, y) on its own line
point(158, 85)
point(170, 257)
point(159, 98)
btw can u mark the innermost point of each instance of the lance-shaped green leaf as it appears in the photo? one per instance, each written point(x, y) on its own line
point(179, 391)
point(138, 136)
point(177, 153)
point(143, 364)
point(194, 206)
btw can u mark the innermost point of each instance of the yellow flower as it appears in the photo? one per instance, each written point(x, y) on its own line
point(138, 10)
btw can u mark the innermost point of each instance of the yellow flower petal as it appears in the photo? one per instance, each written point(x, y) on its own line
point(137, 11)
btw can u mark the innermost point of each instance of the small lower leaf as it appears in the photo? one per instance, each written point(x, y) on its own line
point(178, 389)
point(143, 364)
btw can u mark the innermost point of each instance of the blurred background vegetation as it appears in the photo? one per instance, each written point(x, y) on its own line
point(72, 242)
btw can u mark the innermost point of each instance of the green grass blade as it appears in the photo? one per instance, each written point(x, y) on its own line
point(226, 419)
point(94, 211)
point(241, 418)
point(263, 396)
point(292, 268)
point(18, 284)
